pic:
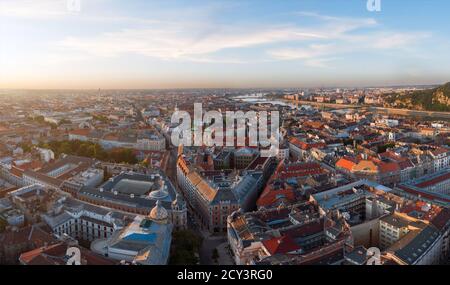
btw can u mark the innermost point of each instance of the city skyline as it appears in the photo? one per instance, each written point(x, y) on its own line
point(221, 44)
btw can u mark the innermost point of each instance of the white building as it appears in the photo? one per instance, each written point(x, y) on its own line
point(283, 153)
point(82, 221)
point(91, 177)
point(46, 154)
point(441, 158)
point(154, 143)
point(14, 217)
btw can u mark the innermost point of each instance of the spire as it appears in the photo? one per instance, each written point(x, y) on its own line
point(180, 149)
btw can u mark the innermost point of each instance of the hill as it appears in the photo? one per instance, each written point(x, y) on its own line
point(437, 99)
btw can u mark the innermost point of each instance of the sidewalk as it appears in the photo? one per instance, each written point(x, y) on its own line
point(224, 254)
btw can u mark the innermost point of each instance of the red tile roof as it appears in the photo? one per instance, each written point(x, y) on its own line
point(271, 196)
point(56, 255)
point(422, 194)
point(33, 235)
point(346, 162)
point(441, 219)
point(280, 245)
point(306, 230)
point(384, 167)
point(434, 181)
point(304, 145)
point(298, 170)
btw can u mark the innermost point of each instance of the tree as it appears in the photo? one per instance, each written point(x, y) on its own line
point(383, 148)
point(90, 149)
point(26, 147)
point(64, 121)
point(185, 247)
point(100, 118)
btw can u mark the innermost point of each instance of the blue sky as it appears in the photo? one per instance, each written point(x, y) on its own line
point(261, 43)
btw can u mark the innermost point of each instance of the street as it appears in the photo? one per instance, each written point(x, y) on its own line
point(209, 242)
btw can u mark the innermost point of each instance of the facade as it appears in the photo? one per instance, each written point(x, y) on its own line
point(417, 243)
point(392, 229)
point(82, 221)
point(144, 241)
point(298, 148)
point(243, 157)
point(216, 194)
point(375, 169)
point(434, 188)
point(441, 157)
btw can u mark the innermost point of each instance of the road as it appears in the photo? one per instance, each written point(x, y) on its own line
point(207, 248)
point(209, 242)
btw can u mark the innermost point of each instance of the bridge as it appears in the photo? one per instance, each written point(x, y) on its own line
point(381, 110)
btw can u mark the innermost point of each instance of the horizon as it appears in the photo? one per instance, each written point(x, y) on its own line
point(431, 85)
point(160, 45)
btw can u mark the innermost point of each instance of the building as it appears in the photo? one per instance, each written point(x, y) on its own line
point(371, 168)
point(298, 148)
point(82, 221)
point(362, 204)
point(223, 160)
point(91, 177)
point(295, 235)
point(144, 241)
point(13, 243)
point(243, 157)
point(434, 188)
point(29, 200)
point(392, 229)
point(216, 194)
point(288, 183)
point(441, 157)
point(58, 254)
point(150, 140)
point(53, 175)
point(411, 241)
point(137, 193)
point(14, 217)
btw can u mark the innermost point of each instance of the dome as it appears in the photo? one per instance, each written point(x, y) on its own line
point(158, 194)
point(158, 213)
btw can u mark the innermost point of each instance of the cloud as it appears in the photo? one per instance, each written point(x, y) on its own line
point(181, 41)
point(198, 40)
point(310, 52)
point(318, 54)
point(35, 9)
point(196, 37)
point(343, 40)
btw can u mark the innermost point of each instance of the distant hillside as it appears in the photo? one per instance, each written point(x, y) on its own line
point(437, 99)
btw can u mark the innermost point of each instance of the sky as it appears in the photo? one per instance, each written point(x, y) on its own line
point(116, 44)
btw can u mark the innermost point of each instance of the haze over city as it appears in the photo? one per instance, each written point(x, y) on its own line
point(211, 44)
